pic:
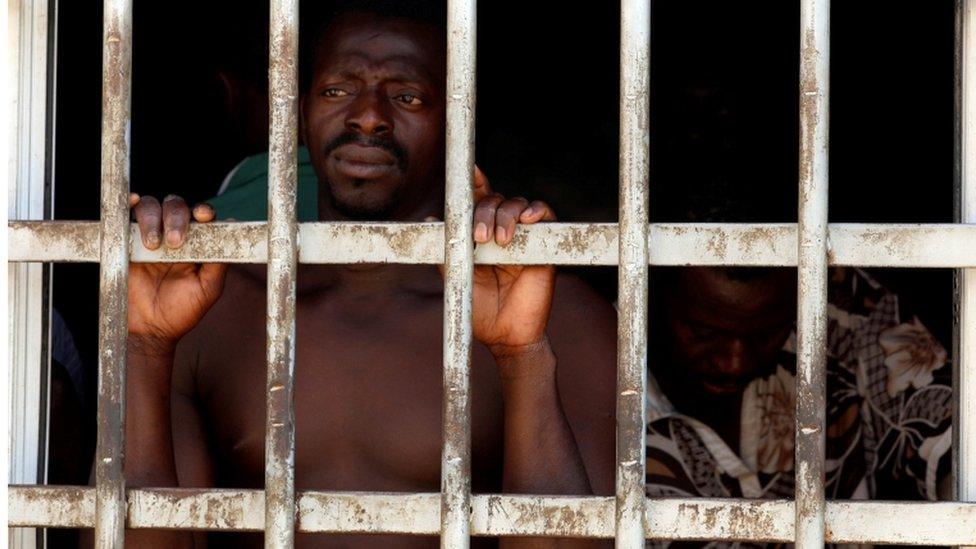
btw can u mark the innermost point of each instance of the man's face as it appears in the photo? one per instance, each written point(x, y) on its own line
point(724, 332)
point(374, 118)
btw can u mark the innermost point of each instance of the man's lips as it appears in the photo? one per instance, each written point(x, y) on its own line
point(363, 162)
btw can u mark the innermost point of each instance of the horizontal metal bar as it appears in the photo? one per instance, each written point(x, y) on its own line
point(369, 512)
point(928, 523)
point(60, 506)
point(240, 510)
point(918, 523)
point(867, 245)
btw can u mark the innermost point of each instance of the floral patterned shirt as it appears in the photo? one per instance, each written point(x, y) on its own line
point(889, 409)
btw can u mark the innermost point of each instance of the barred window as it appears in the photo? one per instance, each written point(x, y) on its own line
point(635, 242)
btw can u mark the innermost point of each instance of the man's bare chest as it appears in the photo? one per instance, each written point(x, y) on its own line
point(367, 403)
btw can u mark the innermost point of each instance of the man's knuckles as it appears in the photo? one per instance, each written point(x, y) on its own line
point(167, 222)
point(496, 218)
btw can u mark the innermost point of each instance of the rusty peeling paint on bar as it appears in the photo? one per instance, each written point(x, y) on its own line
point(282, 249)
point(223, 509)
point(457, 246)
point(812, 258)
point(850, 244)
point(920, 523)
point(113, 273)
point(61, 506)
point(632, 273)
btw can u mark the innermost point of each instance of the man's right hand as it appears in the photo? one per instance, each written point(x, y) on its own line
point(166, 300)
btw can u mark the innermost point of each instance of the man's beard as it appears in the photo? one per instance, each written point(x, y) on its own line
point(361, 210)
point(354, 210)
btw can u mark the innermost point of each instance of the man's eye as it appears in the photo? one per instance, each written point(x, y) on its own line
point(334, 92)
point(409, 99)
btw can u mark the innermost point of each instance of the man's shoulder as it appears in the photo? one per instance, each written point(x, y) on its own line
point(239, 310)
point(582, 324)
point(576, 304)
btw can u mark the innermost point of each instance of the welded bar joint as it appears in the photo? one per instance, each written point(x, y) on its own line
point(282, 233)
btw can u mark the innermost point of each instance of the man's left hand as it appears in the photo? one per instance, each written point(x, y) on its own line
point(511, 302)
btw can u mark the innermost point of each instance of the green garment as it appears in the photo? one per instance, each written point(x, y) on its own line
point(246, 195)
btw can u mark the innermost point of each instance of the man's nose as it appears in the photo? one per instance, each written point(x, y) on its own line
point(737, 359)
point(369, 115)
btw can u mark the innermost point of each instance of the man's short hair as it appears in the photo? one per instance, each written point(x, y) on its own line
point(322, 16)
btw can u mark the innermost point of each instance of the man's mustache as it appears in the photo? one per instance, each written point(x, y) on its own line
point(389, 145)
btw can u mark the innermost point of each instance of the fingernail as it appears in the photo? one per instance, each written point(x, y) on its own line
point(152, 239)
point(173, 238)
point(481, 232)
point(500, 234)
point(529, 211)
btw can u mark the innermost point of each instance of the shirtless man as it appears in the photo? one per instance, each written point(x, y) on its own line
point(368, 352)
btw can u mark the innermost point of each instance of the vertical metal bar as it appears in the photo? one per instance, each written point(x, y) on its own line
point(812, 276)
point(114, 273)
point(635, 49)
point(458, 270)
point(279, 444)
point(965, 368)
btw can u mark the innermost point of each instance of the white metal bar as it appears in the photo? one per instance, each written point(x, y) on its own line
point(635, 50)
point(458, 271)
point(908, 523)
point(222, 509)
point(282, 234)
point(51, 506)
point(812, 273)
point(929, 246)
point(920, 523)
point(369, 512)
point(114, 273)
point(866, 245)
point(964, 442)
point(721, 519)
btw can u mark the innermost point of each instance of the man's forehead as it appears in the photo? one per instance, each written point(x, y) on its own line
point(361, 40)
point(395, 64)
point(713, 293)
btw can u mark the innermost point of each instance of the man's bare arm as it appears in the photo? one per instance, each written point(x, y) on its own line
point(165, 302)
point(510, 316)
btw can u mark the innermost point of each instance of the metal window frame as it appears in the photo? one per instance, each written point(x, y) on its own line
point(28, 283)
point(454, 513)
point(964, 433)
